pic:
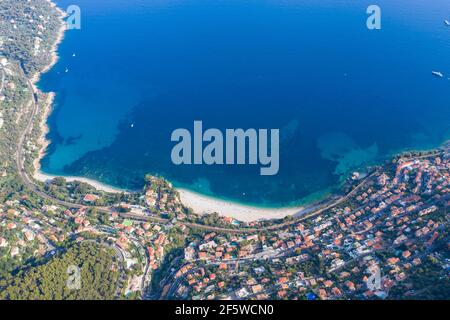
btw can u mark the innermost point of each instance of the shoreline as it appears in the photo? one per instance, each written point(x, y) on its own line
point(44, 177)
point(54, 47)
point(46, 111)
point(47, 106)
point(203, 204)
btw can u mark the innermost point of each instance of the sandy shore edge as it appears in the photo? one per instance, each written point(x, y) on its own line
point(41, 176)
point(203, 204)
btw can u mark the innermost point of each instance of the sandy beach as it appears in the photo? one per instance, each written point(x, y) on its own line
point(40, 176)
point(202, 204)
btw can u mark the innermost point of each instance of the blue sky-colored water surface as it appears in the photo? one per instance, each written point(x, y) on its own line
point(342, 95)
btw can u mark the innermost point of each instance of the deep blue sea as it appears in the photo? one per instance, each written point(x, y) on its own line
point(343, 96)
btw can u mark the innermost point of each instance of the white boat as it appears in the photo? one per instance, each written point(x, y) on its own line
point(447, 22)
point(437, 74)
point(67, 70)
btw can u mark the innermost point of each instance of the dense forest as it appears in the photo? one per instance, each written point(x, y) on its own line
point(98, 276)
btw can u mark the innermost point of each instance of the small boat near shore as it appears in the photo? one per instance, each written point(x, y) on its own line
point(437, 74)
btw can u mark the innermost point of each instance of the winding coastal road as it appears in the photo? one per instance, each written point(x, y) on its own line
point(273, 227)
point(34, 188)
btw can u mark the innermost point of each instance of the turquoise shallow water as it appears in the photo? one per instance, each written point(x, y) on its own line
point(342, 96)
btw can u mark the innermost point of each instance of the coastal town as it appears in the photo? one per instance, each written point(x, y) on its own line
point(396, 227)
point(385, 236)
